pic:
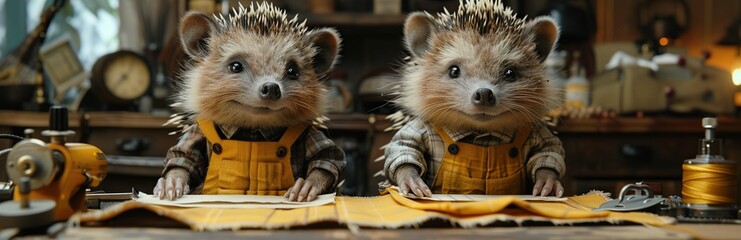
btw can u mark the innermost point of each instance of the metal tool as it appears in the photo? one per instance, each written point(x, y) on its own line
point(644, 199)
point(101, 200)
point(51, 175)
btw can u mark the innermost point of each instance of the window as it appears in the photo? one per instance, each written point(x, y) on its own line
point(91, 25)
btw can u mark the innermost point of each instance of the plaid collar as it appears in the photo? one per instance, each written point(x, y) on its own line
point(457, 135)
point(267, 133)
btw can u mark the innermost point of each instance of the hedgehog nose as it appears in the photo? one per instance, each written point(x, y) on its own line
point(270, 91)
point(483, 97)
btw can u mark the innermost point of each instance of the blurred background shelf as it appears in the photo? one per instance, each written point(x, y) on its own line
point(602, 154)
point(350, 19)
point(647, 124)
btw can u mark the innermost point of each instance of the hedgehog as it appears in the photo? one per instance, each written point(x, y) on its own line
point(473, 92)
point(251, 107)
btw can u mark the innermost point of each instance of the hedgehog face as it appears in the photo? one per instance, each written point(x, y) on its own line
point(472, 76)
point(256, 76)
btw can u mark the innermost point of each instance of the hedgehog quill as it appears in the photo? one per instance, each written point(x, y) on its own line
point(250, 108)
point(476, 90)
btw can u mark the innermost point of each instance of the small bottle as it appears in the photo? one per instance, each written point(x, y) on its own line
point(577, 89)
point(554, 74)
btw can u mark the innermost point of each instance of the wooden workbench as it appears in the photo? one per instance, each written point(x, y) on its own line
point(680, 231)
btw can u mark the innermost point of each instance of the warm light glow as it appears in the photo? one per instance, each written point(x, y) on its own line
point(737, 77)
point(663, 41)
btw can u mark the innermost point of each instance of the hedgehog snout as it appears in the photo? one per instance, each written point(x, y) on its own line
point(483, 97)
point(270, 91)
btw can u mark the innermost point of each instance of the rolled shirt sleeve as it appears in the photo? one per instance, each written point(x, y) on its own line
point(323, 153)
point(546, 152)
point(189, 153)
point(406, 147)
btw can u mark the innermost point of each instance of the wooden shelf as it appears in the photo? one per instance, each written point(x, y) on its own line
point(341, 122)
point(32, 119)
point(360, 122)
point(125, 120)
point(353, 19)
point(347, 122)
point(645, 125)
point(356, 122)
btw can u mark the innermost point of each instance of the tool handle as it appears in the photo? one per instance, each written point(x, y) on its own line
point(637, 187)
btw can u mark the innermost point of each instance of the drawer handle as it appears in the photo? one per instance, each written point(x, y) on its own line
point(636, 152)
point(132, 145)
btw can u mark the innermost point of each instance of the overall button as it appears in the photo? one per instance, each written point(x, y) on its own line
point(513, 152)
point(281, 152)
point(217, 148)
point(453, 149)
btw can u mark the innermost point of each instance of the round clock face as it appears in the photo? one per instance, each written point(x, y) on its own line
point(126, 76)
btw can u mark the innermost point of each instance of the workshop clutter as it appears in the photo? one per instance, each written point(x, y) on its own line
point(667, 82)
point(627, 83)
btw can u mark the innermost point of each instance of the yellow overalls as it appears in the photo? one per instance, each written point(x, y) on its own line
point(471, 169)
point(244, 167)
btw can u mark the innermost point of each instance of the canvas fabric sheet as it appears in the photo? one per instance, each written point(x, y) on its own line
point(391, 210)
point(235, 201)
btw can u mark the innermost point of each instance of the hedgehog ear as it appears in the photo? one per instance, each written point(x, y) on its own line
point(544, 33)
point(419, 28)
point(195, 29)
point(326, 41)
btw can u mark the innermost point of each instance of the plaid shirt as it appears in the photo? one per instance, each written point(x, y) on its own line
point(310, 151)
point(417, 143)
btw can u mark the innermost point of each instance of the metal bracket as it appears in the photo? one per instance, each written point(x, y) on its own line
point(625, 203)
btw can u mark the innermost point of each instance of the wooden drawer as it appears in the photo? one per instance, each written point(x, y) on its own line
point(132, 142)
point(129, 134)
point(607, 154)
point(135, 144)
point(126, 172)
point(627, 155)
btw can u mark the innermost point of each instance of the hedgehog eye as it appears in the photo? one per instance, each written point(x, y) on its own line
point(236, 67)
point(454, 71)
point(292, 71)
point(510, 75)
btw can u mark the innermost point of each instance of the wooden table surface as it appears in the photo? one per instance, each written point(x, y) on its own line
point(680, 231)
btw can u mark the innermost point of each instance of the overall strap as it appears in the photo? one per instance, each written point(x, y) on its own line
point(523, 133)
point(291, 134)
point(447, 140)
point(208, 130)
